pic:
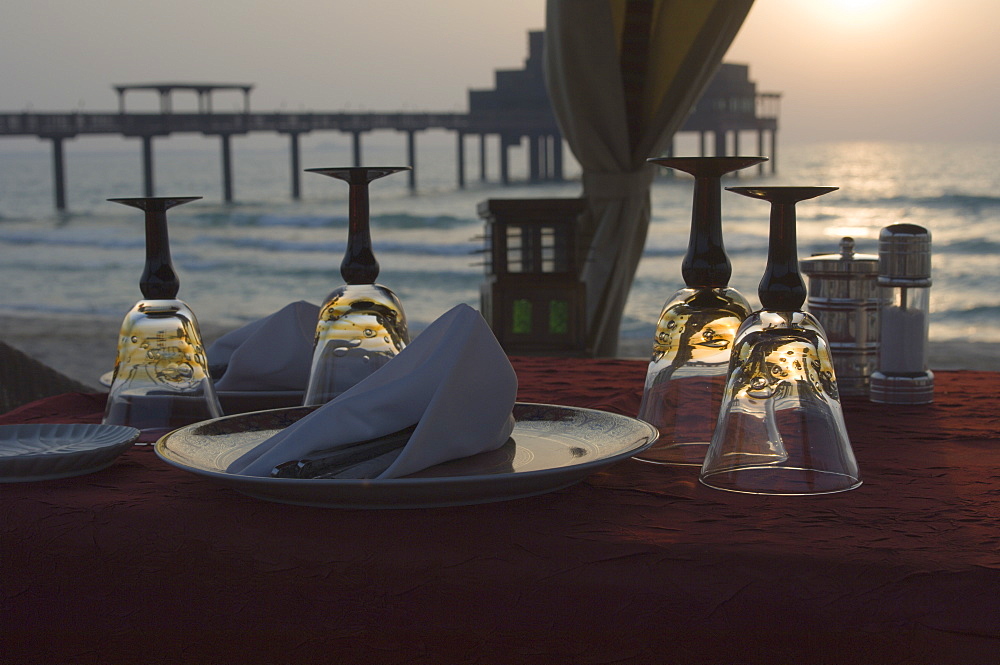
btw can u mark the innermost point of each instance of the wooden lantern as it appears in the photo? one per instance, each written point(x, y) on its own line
point(533, 298)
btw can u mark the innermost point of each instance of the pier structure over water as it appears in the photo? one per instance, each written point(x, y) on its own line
point(517, 108)
point(731, 105)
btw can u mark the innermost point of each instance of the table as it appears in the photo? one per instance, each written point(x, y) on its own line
point(145, 563)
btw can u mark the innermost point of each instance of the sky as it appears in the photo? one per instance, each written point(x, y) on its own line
point(846, 69)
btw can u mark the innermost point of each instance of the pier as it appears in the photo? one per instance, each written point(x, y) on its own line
point(517, 108)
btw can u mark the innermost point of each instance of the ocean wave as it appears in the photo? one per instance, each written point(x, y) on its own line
point(970, 246)
point(274, 245)
point(660, 251)
point(966, 202)
point(289, 220)
point(447, 280)
point(44, 308)
point(401, 281)
point(237, 218)
point(408, 221)
point(746, 247)
point(339, 246)
point(104, 241)
point(985, 313)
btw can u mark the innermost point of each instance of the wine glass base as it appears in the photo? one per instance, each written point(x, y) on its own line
point(675, 454)
point(776, 480)
point(153, 414)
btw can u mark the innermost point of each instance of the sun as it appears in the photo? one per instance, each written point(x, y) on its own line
point(859, 5)
point(866, 12)
point(852, 15)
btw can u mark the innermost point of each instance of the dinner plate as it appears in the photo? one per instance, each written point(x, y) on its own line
point(551, 447)
point(49, 451)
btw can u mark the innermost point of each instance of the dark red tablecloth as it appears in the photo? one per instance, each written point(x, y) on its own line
point(143, 563)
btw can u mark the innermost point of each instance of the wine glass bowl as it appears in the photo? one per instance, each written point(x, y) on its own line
point(361, 324)
point(361, 327)
point(161, 379)
point(687, 371)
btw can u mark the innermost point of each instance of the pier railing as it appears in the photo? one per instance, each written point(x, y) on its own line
point(67, 125)
point(539, 127)
point(545, 153)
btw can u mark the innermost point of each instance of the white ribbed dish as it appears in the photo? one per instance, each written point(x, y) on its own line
point(49, 451)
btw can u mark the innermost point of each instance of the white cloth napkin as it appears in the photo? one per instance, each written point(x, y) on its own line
point(454, 382)
point(273, 353)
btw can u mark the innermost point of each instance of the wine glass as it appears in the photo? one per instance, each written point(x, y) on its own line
point(161, 379)
point(780, 428)
point(361, 325)
point(694, 334)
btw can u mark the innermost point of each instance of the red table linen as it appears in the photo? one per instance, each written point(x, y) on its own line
point(144, 563)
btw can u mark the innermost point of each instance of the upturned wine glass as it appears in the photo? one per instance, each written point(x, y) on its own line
point(694, 334)
point(361, 324)
point(781, 428)
point(161, 379)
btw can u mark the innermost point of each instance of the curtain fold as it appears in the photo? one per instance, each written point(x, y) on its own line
point(622, 76)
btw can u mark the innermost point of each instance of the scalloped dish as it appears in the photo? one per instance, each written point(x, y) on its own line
point(47, 451)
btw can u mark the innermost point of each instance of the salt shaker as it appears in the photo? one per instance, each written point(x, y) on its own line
point(905, 275)
point(844, 295)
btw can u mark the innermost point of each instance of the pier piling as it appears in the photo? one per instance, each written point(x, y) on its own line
point(227, 168)
point(147, 166)
point(293, 144)
point(356, 146)
point(460, 160)
point(411, 159)
point(482, 157)
point(58, 173)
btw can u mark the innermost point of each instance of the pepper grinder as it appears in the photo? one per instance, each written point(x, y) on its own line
point(904, 255)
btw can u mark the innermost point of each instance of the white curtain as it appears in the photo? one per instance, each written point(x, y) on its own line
point(623, 76)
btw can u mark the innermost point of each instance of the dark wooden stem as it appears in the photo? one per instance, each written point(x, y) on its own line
point(359, 265)
point(782, 288)
point(158, 281)
point(706, 264)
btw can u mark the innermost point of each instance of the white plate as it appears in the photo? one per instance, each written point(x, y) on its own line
point(551, 447)
point(50, 451)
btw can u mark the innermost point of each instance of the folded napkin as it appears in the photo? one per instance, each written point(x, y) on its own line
point(453, 382)
point(273, 353)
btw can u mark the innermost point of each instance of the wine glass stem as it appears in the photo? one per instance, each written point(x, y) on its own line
point(706, 265)
point(359, 265)
point(159, 281)
point(782, 288)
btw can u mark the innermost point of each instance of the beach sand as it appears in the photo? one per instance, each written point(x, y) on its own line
point(84, 349)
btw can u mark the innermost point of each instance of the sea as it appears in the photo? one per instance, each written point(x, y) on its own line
point(240, 261)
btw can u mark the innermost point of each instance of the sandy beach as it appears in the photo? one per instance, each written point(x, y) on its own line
point(85, 349)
